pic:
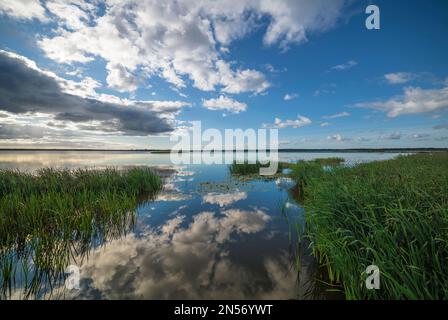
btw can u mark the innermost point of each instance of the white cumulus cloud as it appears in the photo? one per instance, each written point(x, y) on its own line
point(180, 41)
point(399, 77)
point(290, 96)
point(224, 103)
point(413, 101)
point(337, 115)
point(336, 137)
point(23, 9)
point(301, 121)
point(347, 65)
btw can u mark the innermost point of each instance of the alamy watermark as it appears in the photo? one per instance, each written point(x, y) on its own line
point(213, 146)
point(373, 20)
point(373, 277)
point(72, 281)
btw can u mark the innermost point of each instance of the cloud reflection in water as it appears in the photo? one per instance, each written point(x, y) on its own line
point(192, 262)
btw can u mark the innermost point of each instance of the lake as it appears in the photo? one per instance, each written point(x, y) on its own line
point(207, 235)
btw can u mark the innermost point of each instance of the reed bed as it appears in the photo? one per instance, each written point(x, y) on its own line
point(253, 169)
point(331, 161)
point(245, 168)
point(48, 217)
point(392, 214)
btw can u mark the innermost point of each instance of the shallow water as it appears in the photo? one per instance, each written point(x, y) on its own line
point(206, 236)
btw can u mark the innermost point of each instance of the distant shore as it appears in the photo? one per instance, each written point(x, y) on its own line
point(165, 151)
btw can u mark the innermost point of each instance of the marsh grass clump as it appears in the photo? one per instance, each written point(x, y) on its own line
point(393, 214)
point(253, 169)
point(245, 168)
point(332, 161)
point(50, 216)
point(303, 171)
point(300, 170)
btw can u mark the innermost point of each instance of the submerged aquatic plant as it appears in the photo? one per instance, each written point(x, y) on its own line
point(49, 217)
point(392, 214)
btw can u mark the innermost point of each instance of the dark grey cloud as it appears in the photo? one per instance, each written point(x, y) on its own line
point(21, 132)
point(25, 89)
point(36, 131)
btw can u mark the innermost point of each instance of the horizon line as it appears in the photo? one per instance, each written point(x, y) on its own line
point(231, 150)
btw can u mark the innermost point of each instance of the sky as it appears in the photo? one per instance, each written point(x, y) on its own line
point(131, 74)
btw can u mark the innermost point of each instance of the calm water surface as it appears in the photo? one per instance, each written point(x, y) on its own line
point(206, 236)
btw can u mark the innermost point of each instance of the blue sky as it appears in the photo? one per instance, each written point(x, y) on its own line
point(311, 69)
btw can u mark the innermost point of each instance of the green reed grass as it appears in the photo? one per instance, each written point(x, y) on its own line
point(50, 216)
point(252, 169)
point(249, 169)
point(332, 161)
point(393, 214)
point(245, 168)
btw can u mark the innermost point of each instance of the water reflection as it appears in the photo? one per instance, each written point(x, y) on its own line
point(205, 236)
point(32, 160)
point(34, 261)
point(193, 262)
point(202, 243)
point(224, 199)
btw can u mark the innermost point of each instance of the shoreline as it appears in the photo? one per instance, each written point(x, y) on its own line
point(164, 151)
